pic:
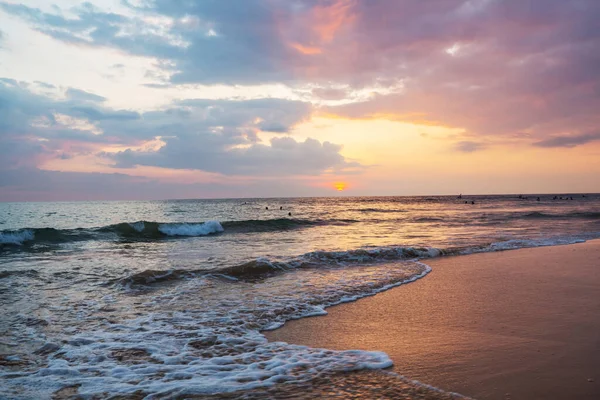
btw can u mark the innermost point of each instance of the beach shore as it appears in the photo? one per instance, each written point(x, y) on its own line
point(520, 324)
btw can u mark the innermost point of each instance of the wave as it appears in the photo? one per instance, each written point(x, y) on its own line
point(262, 268)
point(265, 225)
point(378, 210)
point(28, 272)
point(428, 219)
point(571, 215)
point(202, 339)
point(16, 237)
point(537, 215)
point(145, 229)
point(148, 230)
point(44, 235)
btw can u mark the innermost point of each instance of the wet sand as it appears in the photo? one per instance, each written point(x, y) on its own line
point(520, 324)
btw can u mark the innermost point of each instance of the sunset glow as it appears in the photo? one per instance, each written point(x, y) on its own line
point(297, 95)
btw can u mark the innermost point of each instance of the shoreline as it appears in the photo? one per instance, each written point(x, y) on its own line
point(511, 324)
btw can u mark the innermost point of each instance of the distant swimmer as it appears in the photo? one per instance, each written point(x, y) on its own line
point(554, 198)
point(266, 208)
point(466, 202)
point(538, 199)
point(472, 202)
point(290, 214)
point(281, 207)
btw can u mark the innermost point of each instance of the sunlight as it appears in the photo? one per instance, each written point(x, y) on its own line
point(340, 186)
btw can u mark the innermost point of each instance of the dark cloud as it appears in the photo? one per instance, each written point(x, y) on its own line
point(568, 141)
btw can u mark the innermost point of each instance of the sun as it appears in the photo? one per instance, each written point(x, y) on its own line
point(340, 186)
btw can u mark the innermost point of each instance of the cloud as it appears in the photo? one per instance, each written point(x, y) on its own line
point(330, 93)
point(337, 41)
point(97, 114)
point(220, 136)
point(214, 153)
point(212, 49)
point(45, 85)
point(269, 115)
point(25, 114)
point(30, 184)
point(81, 95)
point(568, 141)
point(523, 73)
point(515, 67)
point(27, 184)
point(493, 68)
point(468, 147)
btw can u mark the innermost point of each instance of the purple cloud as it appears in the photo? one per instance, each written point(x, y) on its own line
point(568, 141)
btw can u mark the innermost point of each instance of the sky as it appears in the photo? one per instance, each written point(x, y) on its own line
point(164, 99)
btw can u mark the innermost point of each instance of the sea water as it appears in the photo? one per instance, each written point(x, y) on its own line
point(168, 299)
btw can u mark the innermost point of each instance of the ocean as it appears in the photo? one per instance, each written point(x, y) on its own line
point(168, 299)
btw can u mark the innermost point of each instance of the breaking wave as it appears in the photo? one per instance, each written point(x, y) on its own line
point(16, 237)
point(147, 230)
point(144, 229)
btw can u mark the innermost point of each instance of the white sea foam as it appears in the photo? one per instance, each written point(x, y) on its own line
point(202, 336)
point(138, 226)
point(513, 244)
point(183, 229)
point(16, 237)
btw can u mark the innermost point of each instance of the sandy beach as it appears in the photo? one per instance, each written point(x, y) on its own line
point(520, 324)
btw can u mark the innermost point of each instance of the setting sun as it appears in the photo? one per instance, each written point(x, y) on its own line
point(340, 186)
